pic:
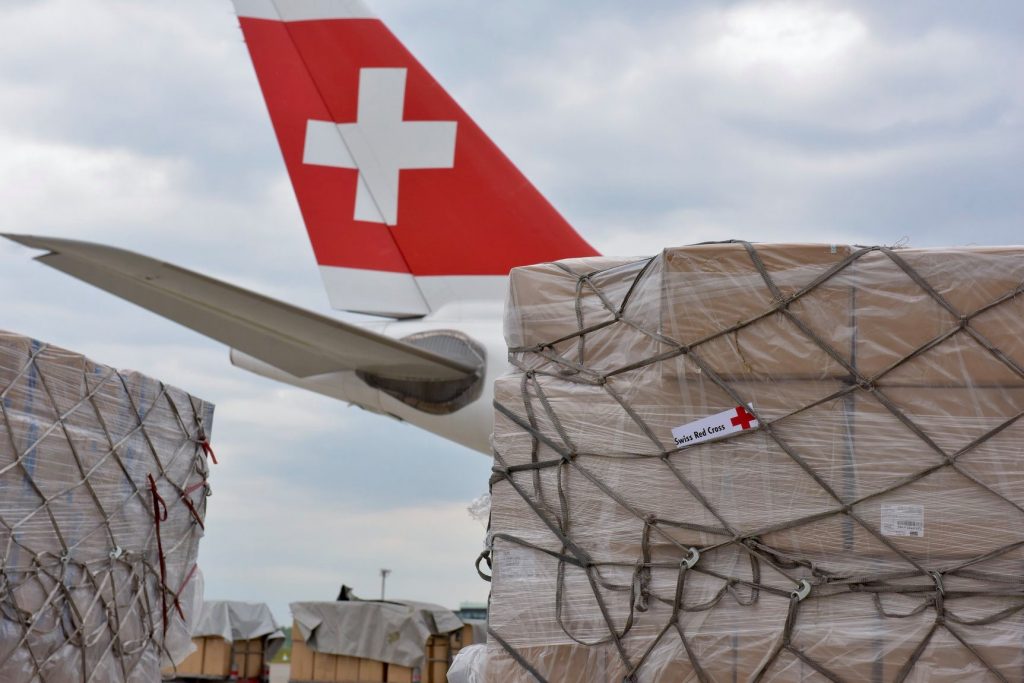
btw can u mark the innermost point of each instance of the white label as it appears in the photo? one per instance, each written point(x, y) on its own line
point(903, 520)
point(518, 564)
point(715, 426)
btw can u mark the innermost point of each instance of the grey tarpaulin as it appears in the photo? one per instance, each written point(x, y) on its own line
point(393, 632)
point(233, 620)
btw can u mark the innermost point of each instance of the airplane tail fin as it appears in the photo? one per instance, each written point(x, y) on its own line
point(408, 204)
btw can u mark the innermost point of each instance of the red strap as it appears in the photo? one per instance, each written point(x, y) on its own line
point(160, 515)
point(188, 501)
point(208, 449)
point(195, 513)
point(195, 487)
point(188, 577)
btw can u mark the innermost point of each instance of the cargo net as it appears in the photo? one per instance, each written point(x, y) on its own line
point(860, 521)
point(102, 499)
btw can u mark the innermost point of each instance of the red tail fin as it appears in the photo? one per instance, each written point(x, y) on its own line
point(396, 183)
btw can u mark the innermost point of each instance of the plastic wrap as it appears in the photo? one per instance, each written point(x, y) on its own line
point(469, 665)
point(842, 496)
point(102, 496)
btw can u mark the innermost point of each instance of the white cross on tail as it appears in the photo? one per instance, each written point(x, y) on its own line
point(380, 144)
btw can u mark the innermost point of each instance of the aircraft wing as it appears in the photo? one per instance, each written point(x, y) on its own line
point(293, 339)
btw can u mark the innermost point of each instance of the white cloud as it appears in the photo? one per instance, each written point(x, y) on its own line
point(298, 409)
point(82, 188)
point(288, 545)
point(761, 118)
point(804, 40)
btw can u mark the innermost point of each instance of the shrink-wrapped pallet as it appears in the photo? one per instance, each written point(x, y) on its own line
point(740, 462)
point(102, 499)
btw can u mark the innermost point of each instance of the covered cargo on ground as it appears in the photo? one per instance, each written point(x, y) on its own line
point(103, 486)
point(233, 640)
point(762, 462)
point(372, 641)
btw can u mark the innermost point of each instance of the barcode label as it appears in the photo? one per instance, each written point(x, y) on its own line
point(903, 520)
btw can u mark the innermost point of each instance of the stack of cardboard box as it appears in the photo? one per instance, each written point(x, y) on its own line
point(737, 423)
point(102, 496)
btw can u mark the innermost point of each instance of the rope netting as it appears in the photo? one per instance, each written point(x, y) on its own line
point(103, 486)
point(862, 519)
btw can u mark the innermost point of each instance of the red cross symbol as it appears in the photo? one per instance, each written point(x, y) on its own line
point(743, 418)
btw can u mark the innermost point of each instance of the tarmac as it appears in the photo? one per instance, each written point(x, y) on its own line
point(279, 673)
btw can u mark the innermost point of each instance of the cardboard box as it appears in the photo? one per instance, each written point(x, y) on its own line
point(250, 656)
point(325, 667)
point(302, 659)
point(872, 313)
point(347, 668)
point(439, 658)
point(685, 295)
point(895, 315)
point(709, 288)
point(399, 674)
point(532, 320)
point(193, 664)
point(371, 671)
point(217, 657)
point(462, 638)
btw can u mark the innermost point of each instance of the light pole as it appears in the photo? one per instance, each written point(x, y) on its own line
point(383, 577)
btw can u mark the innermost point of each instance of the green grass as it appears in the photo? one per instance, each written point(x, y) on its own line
point(285, 653)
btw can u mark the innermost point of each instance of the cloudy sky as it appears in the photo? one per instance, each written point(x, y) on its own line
point(140, 124)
